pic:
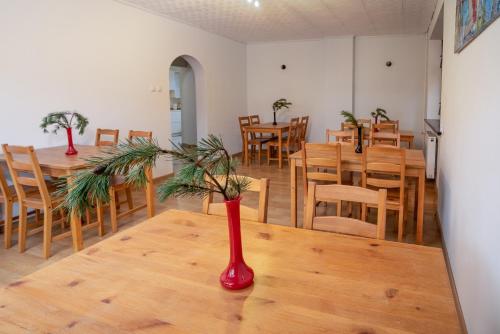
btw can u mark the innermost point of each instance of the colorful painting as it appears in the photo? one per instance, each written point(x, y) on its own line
point(473, 16)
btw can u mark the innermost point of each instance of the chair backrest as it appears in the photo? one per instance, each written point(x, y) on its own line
point(304, 123)
point(341, 136)
point(254, 119)
point(294, 133)
point(5, 192)
point(316, 157)
point(243, 121)
point(365, 122)
point(385, 127)
point(100, 133)
point(384, 167)
point(148, 135)
point(25, 171)
point(260, 186)
point(394, 122)
point(335, 193)
point(384, 138)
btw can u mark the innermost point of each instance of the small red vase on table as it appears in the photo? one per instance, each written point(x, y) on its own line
point(71, 148)
point(237, 275)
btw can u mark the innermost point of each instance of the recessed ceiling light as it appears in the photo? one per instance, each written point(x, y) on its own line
point(257, 3)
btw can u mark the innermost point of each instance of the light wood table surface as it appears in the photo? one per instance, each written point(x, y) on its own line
point(54, 162)
point(407, 137)
point(351, 161)
point(162, 276)
point(277, 130)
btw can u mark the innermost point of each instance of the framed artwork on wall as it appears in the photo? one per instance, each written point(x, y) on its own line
point(473, 17)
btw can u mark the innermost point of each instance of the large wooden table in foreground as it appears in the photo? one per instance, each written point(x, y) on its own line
point(54, 162)
point(351, 161)
point(162, 276)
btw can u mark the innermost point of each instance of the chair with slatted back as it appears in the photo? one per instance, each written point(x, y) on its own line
point(322, 163)
point(255, 119)
point(118, 183)
point(385, 168)
point(8, 197)
point(340, 136)
point(304, 124)
point(344, 225)
point(290, 143)
point(255, 143)
point(25, 171)
point(100, 139)
point(365, 123)
point(395, 123)
point(260, 186)
point(384, 138)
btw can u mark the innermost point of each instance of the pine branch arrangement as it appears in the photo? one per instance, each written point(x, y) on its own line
point(203, 166)
point(64, 120)
point(379, 113)
point(350, 118)
point(280, 104)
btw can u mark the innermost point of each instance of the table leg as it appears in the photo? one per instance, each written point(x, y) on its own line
point(150, 193)
point(421, 203)
point(280, 147)
point(76, 226)
point(293, 193)
point(245, 143)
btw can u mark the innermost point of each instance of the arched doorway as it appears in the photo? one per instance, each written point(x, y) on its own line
point(182, 102)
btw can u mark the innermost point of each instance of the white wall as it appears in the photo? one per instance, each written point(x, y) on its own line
point(399, 89)
point(318, 80)
point(469, 177)
point(102, 58)
point(433, 79)
point(324, 76)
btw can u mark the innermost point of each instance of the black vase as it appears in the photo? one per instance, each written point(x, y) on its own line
point(359, 145)
point(274, 115)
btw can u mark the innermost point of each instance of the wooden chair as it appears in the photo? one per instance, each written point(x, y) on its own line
point(100, 133)
point(304, 123)
point(26, 172)
point(381, 138)
point(257, 215)
point(118, 183)
point(255, 119)
point(254, 142)
point(394, 122)
point(8, 197)
point(385, 167)
point(337, 193)
point(345, 126)
point(323, 163)
point(385, 127)
point(341, 136)
point(290, 143)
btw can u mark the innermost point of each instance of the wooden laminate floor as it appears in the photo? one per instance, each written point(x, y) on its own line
point(14, 265)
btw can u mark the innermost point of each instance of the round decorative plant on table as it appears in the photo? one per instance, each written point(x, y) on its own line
point(65, 120)
point(206, 168)
point(278, 105)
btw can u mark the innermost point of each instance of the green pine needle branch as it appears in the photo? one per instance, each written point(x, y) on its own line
point(64, 120)
point(207, 168)
point(349, 117)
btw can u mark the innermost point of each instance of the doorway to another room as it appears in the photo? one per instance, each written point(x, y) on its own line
point(182, 103)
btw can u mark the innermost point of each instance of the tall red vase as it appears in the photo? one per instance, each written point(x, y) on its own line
point(71, 148)
point(237, 275)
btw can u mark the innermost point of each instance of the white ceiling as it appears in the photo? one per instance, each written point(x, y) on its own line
point(278, 20)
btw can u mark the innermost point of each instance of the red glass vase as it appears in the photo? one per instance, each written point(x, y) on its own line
point(71, 148)
point(237, 275)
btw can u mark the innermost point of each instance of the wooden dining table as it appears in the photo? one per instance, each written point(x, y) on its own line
point(407, 137)
point(162, 276)
point(277, 130)
point(351, 161)
point(55, 163)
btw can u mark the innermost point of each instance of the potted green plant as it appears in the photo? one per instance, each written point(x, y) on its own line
point(350, 118)
point(202, 168)
point(278, 105)
point(65, 120)
point(379, 113)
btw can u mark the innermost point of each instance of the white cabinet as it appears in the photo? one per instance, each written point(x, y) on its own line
point(176, 122)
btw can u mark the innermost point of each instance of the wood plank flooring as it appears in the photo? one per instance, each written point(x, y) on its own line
point(14, 265)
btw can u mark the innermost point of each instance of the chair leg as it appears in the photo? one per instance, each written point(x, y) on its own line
point(259, 154)
point(117, 200)
point(63, 217)
point(47, 232)
point(112, 209)
point(23, 222)
point(128, 192)
point(400, 223)
point(100, 219)
point(37, 216)
point(269, 155)
point(7, 231)
point(88, 218)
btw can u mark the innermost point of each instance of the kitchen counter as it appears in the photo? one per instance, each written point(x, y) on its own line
point(435, 125)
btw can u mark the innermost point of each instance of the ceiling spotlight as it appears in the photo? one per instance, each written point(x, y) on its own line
point(257, 3)
point(249, 1)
